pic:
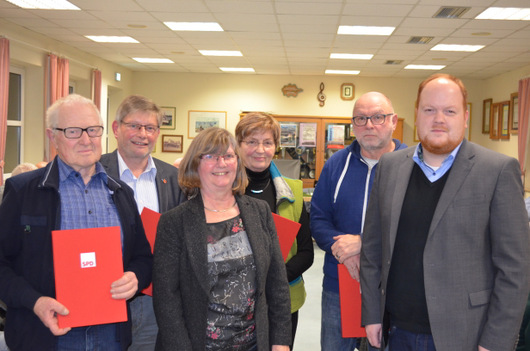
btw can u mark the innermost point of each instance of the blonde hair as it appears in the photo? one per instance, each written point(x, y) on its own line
point(209, 141)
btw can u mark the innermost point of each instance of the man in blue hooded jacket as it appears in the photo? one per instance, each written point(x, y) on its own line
point(339, 203)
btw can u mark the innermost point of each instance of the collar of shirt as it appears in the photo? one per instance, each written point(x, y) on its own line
point(65, 172)
point(430, 173)
point(144, 187)
point(126, 174)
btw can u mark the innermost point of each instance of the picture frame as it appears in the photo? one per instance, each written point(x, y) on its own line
point(200, 120)
point(486, 115)
point(168, 118)
point(288, 134)
point(494, 121)
point(514, 113)
point(172, 143)
point(347, 91)
point(504, 119)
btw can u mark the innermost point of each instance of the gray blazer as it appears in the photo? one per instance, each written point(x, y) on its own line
point(476, 259)
point(167, 186)
point(180, 277)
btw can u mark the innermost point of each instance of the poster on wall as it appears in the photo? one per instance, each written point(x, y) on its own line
point(336, 134)
point(308, 134)
point(288, 133)
point(201, 120)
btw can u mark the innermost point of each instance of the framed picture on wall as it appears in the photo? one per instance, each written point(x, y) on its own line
point(201, 120)
point(347, 91)
point(504, 119)
point(514, 113)
point(486, 115)
point(168, 118)
point(172, 143)
point(494, 121)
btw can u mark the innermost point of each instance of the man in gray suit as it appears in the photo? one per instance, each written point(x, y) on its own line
point(445, 256)
point(155, 186)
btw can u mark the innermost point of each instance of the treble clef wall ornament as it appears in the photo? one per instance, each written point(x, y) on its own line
point(320, 96)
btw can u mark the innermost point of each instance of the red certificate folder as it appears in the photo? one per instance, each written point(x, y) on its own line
point(287, 231)
point(150, 220)
point(86, 263)
point(350, 304)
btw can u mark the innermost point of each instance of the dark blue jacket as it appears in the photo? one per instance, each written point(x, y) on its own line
point(339, 202)
point(29, 212)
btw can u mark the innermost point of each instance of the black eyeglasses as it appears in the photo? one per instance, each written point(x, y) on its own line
point(360, 121)
point(76, 132)
point(150, 129)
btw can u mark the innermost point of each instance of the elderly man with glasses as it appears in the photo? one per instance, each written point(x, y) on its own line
point(155, 186)
point(339, 204)
point(72, 192)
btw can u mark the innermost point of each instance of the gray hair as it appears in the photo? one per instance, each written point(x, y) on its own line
point(23, 167)
point(52, 114)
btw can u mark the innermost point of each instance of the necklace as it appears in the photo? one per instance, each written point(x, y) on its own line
point(209, 209)
point(260, 191)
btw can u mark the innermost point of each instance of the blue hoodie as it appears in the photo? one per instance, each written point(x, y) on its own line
point(339, 202)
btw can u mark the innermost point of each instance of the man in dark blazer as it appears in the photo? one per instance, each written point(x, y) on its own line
point(155, 186)
point(445, 256)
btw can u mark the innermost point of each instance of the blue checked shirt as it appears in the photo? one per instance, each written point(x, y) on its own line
point(86, 206)
point(434, 174)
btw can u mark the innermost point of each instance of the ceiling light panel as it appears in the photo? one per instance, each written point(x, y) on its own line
point(505, 13)
point(236, 69)
point(427, 67)
point(152, 60)
point(195, 26)
point(365, 30)
point(337, 71)
point(220, 53)
point(44, 4)
point(351, 56)
point(457, 47)
point(111, 39)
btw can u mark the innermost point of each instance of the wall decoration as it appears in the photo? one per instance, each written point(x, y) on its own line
point(514, 113)
point(288, 134)
point(336, 134)
point(308, 134)
point(321, 97)
point(504, 119)
point(168, 119)
point(172, 143)
point(201, 120)
point(347, 91)
point(494, 121)
point(486, 115)
point(291, 90)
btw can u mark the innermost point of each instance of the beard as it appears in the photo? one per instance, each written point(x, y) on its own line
point(438, 148)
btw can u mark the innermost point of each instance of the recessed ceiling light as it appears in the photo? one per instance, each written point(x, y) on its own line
point(351, 56)
point(505, 13)
point(457, 47)
point(195, 26)
point(338, 71)
point(365, 30)
point(111, 39)
point(236, 69)
point(44, 4)
point(152, 60)
point(220, 53)
point(428, 67)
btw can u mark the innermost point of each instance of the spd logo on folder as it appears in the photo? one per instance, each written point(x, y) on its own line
point(88, 259)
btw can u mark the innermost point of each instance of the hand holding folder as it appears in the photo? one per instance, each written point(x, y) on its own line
point(350, 304)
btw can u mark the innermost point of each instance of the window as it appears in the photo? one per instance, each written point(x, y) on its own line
point(14, 139)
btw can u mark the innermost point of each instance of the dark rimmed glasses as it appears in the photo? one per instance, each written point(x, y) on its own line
point(378, 119)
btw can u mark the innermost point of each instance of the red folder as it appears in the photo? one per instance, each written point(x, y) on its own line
point(86, 263)
point(287, 231)
point(150, 220)
point(350, 304)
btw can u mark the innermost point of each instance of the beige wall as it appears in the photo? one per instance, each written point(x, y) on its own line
point(232, 93)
